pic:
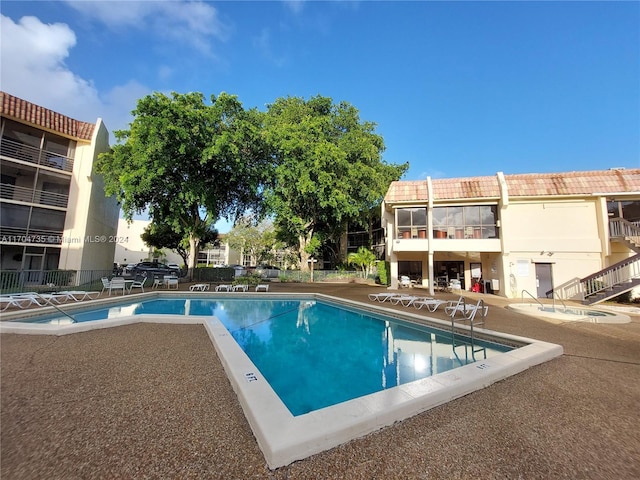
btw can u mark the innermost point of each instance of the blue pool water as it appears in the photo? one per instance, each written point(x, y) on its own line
point(313, 353)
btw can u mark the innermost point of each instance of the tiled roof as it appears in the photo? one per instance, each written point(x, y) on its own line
point(44, 118)
point(521, 185)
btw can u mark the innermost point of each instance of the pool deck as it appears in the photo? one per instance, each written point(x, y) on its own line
point(153, 401)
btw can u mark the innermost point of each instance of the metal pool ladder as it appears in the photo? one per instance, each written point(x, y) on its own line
point(470, 346)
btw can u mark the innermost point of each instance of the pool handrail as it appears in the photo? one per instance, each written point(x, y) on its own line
point(48, 302)
point(536, 300)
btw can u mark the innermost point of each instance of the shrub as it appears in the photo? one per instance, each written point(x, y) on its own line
point(384, 269)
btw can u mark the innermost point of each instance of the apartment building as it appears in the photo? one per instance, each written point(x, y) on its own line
point(54, 212)
point(570, 235)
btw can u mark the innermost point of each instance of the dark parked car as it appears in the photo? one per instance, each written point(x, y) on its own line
point(154, 269)
point(267, 271)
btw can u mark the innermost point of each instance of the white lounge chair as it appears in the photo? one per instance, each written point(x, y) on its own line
point(383, 297)
point(223, 288)
point(240, 288)
point(7, 301)
point(80, 295)
point(201, 287)
point(262, 287)
point(468, 310)
point(430, 304)
point(405, 300)
point(42, 299)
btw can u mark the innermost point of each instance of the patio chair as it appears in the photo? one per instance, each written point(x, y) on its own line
point(263, 287)
point(240, 288)
point(138, 284)
point(106, 284)
point(223, 288)
point(199, 287)
point(117, 283)
point(171, 282)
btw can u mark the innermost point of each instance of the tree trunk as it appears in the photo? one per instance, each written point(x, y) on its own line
point(303, 241)
point(194, 244)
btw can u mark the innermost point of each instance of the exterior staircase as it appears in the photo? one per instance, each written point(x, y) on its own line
point(615, 279)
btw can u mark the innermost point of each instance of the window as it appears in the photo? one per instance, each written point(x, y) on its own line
point(411, 222)
point(476, 221)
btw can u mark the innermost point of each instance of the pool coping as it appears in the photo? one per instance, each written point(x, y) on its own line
point(284, 438)
point(532, 310)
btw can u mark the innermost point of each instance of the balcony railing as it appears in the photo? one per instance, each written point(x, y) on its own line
point(42, 197)
point(37, 156)
point(460, 232)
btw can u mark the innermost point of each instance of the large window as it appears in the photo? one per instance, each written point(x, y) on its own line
point(477, 221)
point(411, 222)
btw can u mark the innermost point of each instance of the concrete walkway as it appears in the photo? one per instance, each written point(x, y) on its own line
point(153, 401)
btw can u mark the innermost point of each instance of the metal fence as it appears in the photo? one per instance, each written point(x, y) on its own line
point(12, 281)
point(51, 280)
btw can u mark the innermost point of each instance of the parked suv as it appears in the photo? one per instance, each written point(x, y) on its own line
point(151, 269)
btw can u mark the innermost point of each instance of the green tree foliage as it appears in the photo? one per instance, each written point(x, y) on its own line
point(255, 241)
point(188, 163)
point(364, 259)
point(329, 168)
point(162, 235)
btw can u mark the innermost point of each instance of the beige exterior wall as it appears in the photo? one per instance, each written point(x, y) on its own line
point(566, 235)
point(90, 224)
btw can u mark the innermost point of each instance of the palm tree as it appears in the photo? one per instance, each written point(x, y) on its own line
point(363, 258)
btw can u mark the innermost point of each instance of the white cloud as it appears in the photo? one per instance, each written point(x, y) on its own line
point(33, 68)
point(295, 6)
point(194, 23)
point(263, 44)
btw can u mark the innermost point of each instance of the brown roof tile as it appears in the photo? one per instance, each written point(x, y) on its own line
point(521, 185)
point(28, 112)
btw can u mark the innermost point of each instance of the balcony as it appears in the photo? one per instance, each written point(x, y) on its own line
point(453, 239)
point(29, 195)
point(26, 153)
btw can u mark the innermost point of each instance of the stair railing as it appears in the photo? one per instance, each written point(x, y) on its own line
point(611, 276)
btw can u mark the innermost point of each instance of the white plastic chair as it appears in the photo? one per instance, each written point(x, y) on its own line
point(138, 284)
point(117, 283)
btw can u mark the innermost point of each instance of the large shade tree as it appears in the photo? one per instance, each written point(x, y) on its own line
point(188, 163)
point(329, 168)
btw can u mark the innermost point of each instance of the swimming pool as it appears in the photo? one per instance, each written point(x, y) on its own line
point(313, 353)
point(409, 369)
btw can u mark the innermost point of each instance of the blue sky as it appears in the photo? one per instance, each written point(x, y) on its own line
point(455, 88)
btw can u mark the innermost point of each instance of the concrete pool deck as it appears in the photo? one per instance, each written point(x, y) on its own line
point(152, 400)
